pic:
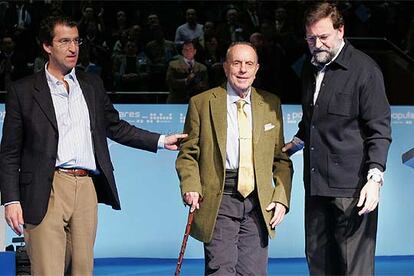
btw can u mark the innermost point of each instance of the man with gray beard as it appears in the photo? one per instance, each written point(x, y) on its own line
point(345, 132)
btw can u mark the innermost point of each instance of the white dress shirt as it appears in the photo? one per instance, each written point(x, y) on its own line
point(232, 143)
point(75, 148)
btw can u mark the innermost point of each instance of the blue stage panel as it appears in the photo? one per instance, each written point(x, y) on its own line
point(7, 263)
point(152, 220)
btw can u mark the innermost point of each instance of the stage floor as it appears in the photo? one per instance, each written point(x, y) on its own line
point(393, 265)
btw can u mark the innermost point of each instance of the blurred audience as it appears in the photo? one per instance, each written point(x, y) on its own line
point(185, 76)
point(13, 64)
point(159, 52)
point(131, 70)
point(190, 30)
point(119, 39)
point(214, 59)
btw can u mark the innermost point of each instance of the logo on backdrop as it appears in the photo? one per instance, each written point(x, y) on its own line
point(137, 117)
point(405, 118)
point(292, 117)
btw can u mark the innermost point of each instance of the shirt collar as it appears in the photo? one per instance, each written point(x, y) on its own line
point(52, 79)
point(188, 61)
point(234, 97)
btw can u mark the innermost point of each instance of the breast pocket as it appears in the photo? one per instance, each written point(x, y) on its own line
point(341, 104)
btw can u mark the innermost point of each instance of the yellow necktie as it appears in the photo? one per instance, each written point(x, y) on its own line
point(246, 174)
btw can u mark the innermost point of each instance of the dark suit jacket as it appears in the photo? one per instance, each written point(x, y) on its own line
point(30, 139)
point(347, 131)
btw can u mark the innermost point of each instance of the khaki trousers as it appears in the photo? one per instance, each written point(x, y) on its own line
point(64, 240)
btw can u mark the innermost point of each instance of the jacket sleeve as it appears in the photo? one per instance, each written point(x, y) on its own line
point(375, 114)
point(11, 148)
point(187, 161)
point(282, 167)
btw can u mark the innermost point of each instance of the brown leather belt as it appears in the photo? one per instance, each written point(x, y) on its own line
point(74, 171)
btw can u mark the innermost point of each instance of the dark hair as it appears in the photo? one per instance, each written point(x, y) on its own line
point(47, 27)
point(240, 43)
point(192, 42)
point(323, 10)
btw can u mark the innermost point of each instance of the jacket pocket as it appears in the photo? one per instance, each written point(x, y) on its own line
point(341, 104)
point(344, 170)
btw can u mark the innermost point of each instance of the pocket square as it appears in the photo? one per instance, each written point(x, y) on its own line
point(268, 126)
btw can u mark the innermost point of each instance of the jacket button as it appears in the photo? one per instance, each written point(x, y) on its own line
point(312, 148)
point(313, 169)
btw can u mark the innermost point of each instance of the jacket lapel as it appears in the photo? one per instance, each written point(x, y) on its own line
point(43, 97)
point(257, 115)
point(218, 109)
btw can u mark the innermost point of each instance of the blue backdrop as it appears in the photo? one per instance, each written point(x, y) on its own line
point(152, 220)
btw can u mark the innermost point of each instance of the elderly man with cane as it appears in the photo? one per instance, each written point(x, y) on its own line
point(229, 159)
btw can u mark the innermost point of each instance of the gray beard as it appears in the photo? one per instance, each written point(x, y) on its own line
point(325, 56)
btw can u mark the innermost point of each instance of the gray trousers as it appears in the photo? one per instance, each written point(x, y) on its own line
point(240, 240)
point(338, 240)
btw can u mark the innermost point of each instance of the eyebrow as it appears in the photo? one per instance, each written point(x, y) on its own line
point(317, 34)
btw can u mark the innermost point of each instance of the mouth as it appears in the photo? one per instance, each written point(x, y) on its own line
point(242, 78)
point(317, 51)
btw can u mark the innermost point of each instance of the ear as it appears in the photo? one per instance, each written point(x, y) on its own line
point(47, 48)
point(341, 31)
point(257, 69)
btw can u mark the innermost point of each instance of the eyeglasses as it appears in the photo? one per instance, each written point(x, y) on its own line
point(311, 39)
point(66, 42)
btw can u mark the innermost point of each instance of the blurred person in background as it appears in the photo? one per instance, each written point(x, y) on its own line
point(185, 76)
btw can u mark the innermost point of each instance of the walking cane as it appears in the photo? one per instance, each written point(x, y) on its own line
point(184, 243)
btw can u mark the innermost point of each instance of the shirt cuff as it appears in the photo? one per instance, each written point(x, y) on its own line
point(376, 175)
point(298, 145)
point(161, 142)
point(11, 202)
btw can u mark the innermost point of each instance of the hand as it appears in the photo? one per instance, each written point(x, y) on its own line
point(14, 217)
point(370, 195)
point(193, 199)
point(288, 148)
point(279, 213)
point(172, 142)
point(190, 78)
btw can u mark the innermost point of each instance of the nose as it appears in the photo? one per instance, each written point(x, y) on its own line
point(318, 42)
point(72, 46)
point(243, 68)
